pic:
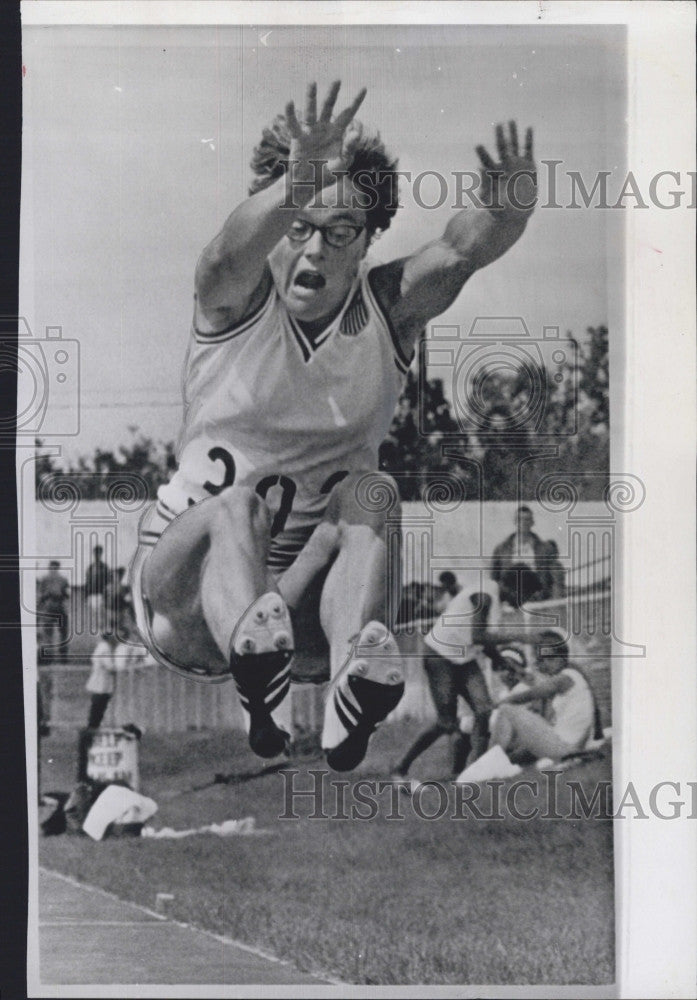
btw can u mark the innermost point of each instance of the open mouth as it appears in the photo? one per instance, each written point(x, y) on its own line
point(310, 279)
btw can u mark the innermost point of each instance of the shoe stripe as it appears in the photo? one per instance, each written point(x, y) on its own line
point(347, 707)
point(277, 699)
point(347, 723)
point(350, 699)
point(285, 683)
point(278, 683)
point(276, 686)
point(280, 676)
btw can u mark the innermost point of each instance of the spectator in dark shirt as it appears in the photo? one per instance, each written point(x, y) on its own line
point(521, 562)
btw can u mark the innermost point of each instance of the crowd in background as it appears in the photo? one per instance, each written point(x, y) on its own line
point(106, 605)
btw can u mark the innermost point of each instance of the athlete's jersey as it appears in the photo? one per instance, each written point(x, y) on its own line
point(268, 408)
point(571, 712)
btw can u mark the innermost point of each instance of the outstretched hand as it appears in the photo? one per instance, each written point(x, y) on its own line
point(512, 182)
point(507, 193)
point(323, 138)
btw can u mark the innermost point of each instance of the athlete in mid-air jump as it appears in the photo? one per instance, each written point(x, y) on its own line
point(297, 357)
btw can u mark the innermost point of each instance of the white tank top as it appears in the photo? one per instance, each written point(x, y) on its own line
point(451, 635)
point(571, 712)
point(268, 408)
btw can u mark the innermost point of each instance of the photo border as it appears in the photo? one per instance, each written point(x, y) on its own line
point(656, 861)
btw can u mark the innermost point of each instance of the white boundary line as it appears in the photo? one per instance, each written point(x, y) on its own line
point(222, 938)
point(98, 923)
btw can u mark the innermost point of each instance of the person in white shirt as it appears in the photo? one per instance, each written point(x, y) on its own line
point(452, 651)
point(107, 658)
point(101, 682)
point(568, 716)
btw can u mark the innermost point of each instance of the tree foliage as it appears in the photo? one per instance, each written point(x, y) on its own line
point(151, 462)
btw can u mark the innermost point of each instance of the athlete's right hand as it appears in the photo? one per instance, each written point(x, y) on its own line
point(331, 141)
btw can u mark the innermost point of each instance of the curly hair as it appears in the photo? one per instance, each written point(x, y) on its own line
point(372, 166)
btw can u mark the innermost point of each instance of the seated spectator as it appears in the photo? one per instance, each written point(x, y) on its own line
point(521, 561)
point(569, 714)
point(509, 668)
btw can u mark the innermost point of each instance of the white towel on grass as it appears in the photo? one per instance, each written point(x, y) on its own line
point(117, 804)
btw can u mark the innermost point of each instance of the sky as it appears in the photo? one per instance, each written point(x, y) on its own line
point(136, 148)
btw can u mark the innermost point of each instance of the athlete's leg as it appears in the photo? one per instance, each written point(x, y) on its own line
point(363, 515)
point(359, 600)
point(204, 572)
point(517, 730)
point(208, 589)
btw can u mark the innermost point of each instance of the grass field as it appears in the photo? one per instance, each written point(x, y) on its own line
point(372, 902)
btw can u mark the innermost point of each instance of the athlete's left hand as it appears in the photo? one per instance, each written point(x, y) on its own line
point(507, 192)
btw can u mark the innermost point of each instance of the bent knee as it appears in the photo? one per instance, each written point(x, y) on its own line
point(364, 498)
point(162, 631)
point(239, 505)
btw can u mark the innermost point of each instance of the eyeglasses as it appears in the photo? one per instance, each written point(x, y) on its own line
point(339, 235)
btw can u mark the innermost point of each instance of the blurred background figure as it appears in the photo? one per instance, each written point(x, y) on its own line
point(119, 606)
point(53, 594)
point(100, 686)
point(556, 570)
point(448, 588)
point(43, 728)
point(101, 682)
point(96, 581)
point(521, 563)
point(457, 673)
